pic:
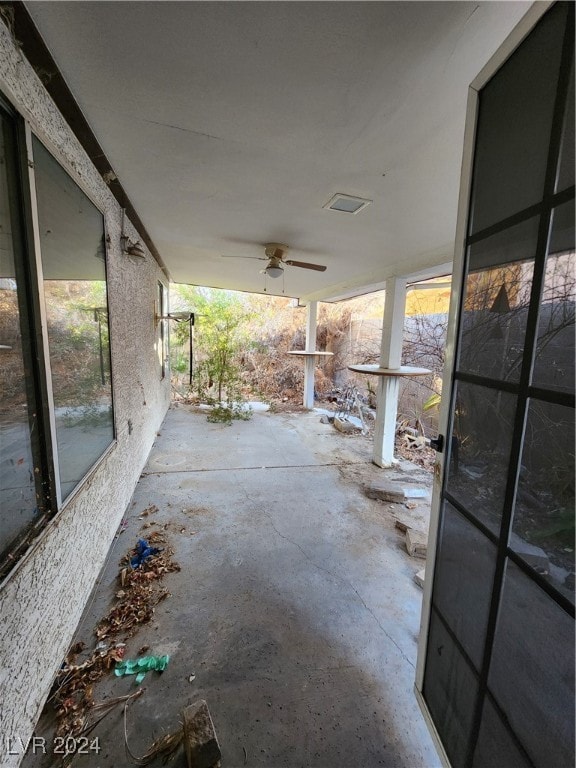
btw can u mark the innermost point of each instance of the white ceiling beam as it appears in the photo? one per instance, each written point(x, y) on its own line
point(431, 265)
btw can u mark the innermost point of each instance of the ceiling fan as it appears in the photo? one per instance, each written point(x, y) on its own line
point(274, 254)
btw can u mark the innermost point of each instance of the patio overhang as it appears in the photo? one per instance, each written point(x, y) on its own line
point(230, 125)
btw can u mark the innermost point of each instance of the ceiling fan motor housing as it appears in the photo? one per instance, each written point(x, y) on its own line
point(275, 250)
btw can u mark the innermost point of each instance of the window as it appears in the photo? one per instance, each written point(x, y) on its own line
point(75, 297)
point(56, 414)
point(162, 330)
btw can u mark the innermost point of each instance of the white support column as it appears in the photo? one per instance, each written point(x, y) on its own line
point(310, 360)
point(388, 386)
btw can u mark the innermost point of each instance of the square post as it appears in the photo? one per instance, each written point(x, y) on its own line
point(388, 386)
point(310, 360)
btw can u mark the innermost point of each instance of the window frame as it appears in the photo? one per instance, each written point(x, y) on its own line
point(36, 391)
point(39, 390)
point(162, 330)
point(67, 168)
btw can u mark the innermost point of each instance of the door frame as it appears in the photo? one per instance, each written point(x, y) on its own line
point(514, 39)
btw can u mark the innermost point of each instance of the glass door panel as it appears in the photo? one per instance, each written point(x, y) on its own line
point(464, 575)
point(497, 745)
point(515, 126)
point(497, 676)
point(566, 165)
point(553, 367)
point(496, 299)
point(543, 525)
point(532, 670)
point(450, 689)
point(483, 423)
point(19, 506)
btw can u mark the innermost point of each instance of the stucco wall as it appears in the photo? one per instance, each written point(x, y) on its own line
point(42, 600)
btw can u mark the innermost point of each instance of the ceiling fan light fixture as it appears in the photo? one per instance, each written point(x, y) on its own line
point(274, 271)
point(346, 203)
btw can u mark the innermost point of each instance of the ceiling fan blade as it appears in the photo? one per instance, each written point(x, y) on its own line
point(229, 256)
point(305, 265)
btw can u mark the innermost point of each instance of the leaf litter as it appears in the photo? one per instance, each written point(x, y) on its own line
point(139, 593)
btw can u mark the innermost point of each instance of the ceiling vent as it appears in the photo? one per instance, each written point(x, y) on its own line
point(346, 203)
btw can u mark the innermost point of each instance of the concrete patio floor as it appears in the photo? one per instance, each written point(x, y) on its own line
point(295, 607)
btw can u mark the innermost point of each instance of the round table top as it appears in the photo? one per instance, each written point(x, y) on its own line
point(306, 353)
point(375, 370)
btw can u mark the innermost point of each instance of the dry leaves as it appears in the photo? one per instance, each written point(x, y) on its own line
point(136, 608)
point(423, 457)
point(73, 697)
point(149, 510)
point(139, 594)
point(136, 599)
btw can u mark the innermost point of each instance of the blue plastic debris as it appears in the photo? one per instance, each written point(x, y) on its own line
point(143, 552)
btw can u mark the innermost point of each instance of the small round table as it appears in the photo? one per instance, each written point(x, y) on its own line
point(376, 370)
point(309, 355)
point(383, 455)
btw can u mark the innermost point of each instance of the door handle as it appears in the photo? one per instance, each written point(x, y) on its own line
point(437, 443)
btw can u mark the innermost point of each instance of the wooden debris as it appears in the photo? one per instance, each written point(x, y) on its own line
point(416, 543)
point(385, 491)
point(200, 740)
point(403, 524)
point(165, 747)
point(196, 732)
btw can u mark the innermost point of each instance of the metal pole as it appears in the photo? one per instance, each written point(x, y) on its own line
point(191, 347)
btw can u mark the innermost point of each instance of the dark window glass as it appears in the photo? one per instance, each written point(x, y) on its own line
point(496, 747)
point(450, 689)
point(566, 167)
point(554, 364)
point(463, 577)
point(73, 263)
point(532, 671)
point(543, 527)
point(483, 423)
point(18, 505)
point(516, 109)
point(495, 305)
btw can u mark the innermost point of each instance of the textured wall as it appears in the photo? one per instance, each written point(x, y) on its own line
point(42, 600)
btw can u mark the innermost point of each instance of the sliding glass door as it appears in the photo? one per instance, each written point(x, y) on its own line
point(24, 446)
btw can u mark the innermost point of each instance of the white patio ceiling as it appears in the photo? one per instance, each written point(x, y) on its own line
point(230, 124)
